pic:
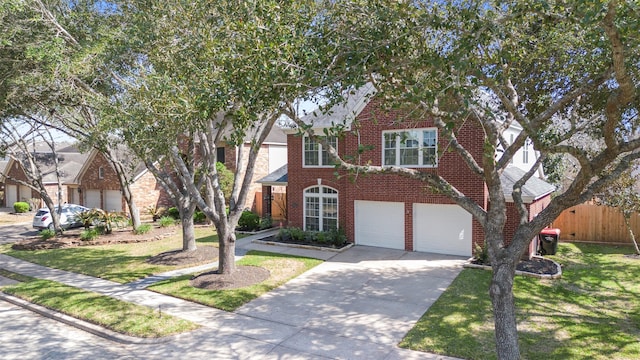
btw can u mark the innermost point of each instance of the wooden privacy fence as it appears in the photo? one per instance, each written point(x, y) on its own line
point(592, 223)
point(278, 205)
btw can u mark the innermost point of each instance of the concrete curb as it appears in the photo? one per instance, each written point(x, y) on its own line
point(557, 275)
point(83, 325)
point(300, 246)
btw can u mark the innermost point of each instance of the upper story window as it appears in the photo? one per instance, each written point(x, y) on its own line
point(313, 153)
point(410, 148)
point(100, 172)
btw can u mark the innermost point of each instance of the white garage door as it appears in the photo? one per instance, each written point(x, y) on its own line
point(11, 195)
point(379, 224)
point(92, 198)
point(442, 229)
point(113, 200)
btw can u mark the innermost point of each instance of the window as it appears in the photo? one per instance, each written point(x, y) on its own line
point(417, 147)
point(320, 209)
point(100, 172)
point(220, 154)
point(314, 154)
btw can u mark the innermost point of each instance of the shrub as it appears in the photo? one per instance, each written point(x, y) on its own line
point(225, 178)
point(88, 217)
point(297, 234)
point(156, 212)
point(337, 237)
point(110, 220)
point(167, 221)
point(88, 235)
point(142, 229)
point(199, 217)
point(266, 223)
point(47, 234)
point(481, 254)
point(173, 212)
point(249, 221)
point(20, 207)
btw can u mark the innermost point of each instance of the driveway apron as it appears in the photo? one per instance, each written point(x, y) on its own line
point(360, 301)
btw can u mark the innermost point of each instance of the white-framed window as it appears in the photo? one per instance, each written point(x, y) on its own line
point(100, 172)
point(410, 148)
point(320, 208)
point(314, 155)
point(525, 152)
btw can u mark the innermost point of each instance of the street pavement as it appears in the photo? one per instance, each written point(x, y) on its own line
point(356, 305)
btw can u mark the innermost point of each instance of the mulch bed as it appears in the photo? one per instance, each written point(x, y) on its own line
point(243, 276)
point(535, 265)
point(71, 238)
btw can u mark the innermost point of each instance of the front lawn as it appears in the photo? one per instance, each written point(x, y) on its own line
point(120, 263)
point(282, 268)
point(117, 315)
point(593, 312)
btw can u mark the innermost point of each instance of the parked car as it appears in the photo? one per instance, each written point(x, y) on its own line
point(68, 217)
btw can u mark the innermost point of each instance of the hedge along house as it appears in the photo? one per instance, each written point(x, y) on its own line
point(388, 210)
point(70, 161)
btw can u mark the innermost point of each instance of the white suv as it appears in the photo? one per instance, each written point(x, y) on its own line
point(68, 218)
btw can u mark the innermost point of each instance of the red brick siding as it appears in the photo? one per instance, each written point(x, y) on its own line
point(16, 172)
point(384, 187)
point(148, 193)
point(513, 220)
point(91, 180)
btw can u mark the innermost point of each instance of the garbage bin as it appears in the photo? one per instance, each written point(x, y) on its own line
point(548, 241)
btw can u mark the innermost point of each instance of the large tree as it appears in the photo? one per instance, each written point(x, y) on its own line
point(202, 74)
point(55, 74)
point(567, 72)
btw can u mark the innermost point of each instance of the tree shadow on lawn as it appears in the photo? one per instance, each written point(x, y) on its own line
point(109, 264)
point(593, 311)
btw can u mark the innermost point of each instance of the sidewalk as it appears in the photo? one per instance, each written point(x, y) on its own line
point(379, 304)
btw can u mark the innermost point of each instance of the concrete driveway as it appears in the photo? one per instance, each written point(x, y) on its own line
point(360, 302)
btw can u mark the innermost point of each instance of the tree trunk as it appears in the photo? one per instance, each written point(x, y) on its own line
point(631, 234)
point(186, 209)
point(133, 208)
point(501, 292)
point(188, 234)
point(227, 249)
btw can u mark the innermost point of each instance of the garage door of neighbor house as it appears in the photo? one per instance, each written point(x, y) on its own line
point(11, 194)
point(113, 200)
point(442, 229)
point(92, 199)
point(379, 224)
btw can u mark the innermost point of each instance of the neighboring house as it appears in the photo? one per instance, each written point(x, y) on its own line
point(99, 186)
point(388, 210)
point(70, 161)
point(3, 164)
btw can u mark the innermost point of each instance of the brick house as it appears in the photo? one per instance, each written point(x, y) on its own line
point(70, 161)
point(98, 184)
point(388, 210)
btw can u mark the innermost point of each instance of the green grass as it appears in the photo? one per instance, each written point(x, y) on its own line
point(120, 263)
point(119, 316)
point(282, 268)
point(593, 312)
